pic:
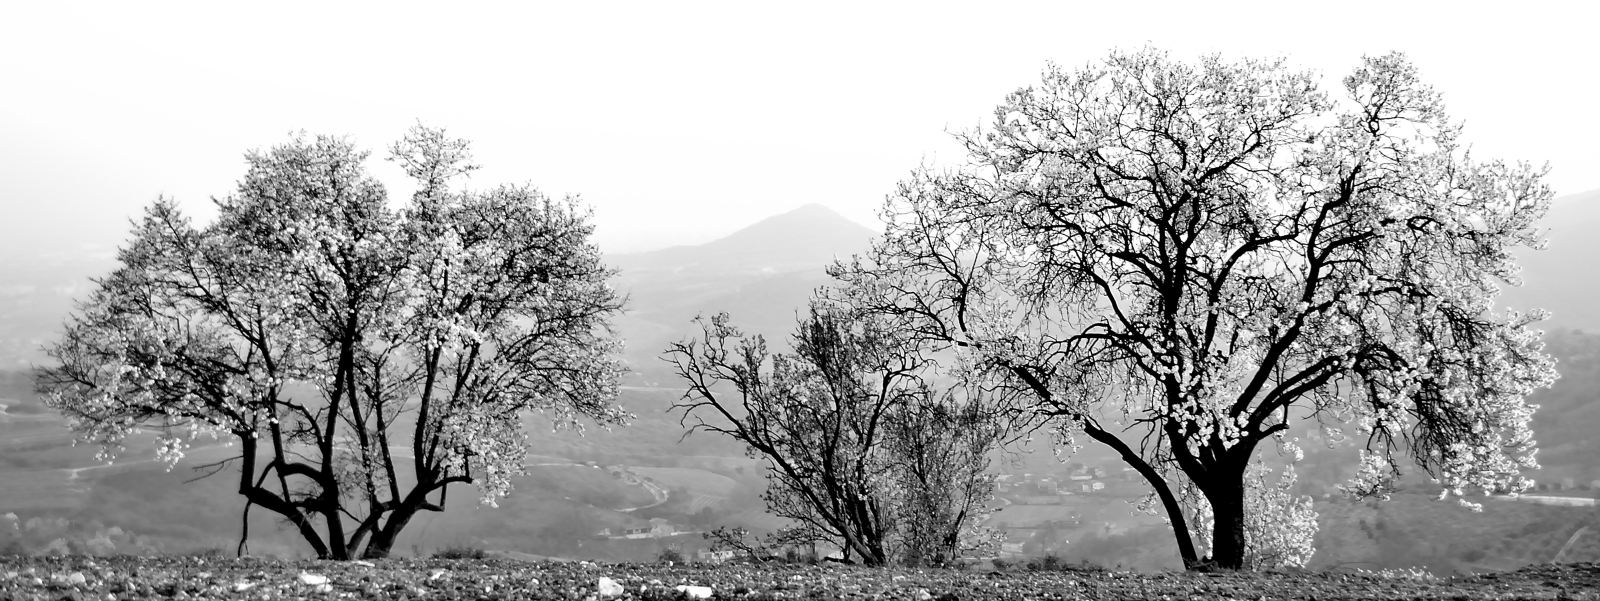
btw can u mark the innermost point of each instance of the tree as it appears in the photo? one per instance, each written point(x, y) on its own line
point(841, 425)
point(940, 448)
point(1178, 261)
point(330, 336)
point(1279, 528)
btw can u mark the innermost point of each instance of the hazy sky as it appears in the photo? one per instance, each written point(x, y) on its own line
point(677, 122)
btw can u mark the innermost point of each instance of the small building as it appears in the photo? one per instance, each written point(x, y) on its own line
point(1047, 486)
point(1098, 485)
point(658, 528)
point(1082, 477)
point(638, 532)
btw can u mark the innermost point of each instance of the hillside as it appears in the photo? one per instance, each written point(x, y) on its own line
point(801, 239)
point(761, 275)
point(1564, 279)
point(36, 293)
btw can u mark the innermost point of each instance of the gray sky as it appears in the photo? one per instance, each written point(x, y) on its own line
point(677, 122)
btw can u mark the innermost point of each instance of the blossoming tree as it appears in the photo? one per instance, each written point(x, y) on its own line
point(336, 340)
point(1180, 261)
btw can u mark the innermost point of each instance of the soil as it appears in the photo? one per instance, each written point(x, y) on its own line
point(195, 578)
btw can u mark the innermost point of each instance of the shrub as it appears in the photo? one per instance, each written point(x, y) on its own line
point(1047, 563)
point(669, 554)
point(793, 555)
point(13, 547)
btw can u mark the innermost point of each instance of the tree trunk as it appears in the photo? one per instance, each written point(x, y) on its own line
point(338, 547)
point(383, 539)
point(1169, 501)
point(1226, 495)
point(869, 555)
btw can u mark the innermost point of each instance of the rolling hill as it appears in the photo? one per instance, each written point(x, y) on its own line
point(802, 239)
point(760, 275)
point(1564, 279)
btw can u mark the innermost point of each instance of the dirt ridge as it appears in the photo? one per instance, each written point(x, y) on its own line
point(23, 578)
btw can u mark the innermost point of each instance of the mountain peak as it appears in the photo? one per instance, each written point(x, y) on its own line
point(806, 237)
point(813, 208)
point(810, 219)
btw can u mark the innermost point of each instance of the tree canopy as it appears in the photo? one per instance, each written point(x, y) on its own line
point(336, 339)
point(1180, 261)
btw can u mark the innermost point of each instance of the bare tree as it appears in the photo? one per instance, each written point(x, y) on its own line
point(941, 447)
point(829, 420)
point(1172, 257)
point(330, 336)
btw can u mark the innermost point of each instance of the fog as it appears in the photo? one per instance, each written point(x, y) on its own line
point(728, 152)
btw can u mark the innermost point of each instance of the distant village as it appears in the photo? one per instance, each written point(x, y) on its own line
point(658, 528)
point(653, 528)
point(1078, 479)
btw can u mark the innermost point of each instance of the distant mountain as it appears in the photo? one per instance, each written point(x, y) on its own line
point(761, 276)
point(36, 293)
point(805, 238)
point(1564, 279)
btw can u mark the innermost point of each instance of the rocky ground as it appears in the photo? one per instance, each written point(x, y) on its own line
point(85, 578)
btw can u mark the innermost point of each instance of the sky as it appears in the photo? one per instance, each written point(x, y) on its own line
point(678, 122)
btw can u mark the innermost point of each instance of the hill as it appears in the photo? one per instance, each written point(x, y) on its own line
point(36, 293)
point(1564, 279)
point(802, 239)
point(761, 275)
